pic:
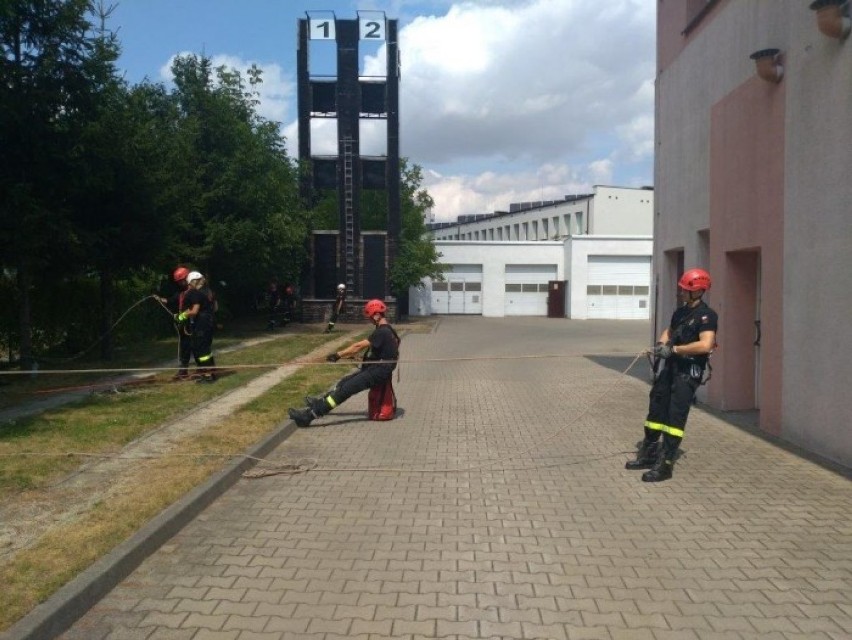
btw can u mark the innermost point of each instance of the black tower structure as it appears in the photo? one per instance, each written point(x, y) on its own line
point(360, 260)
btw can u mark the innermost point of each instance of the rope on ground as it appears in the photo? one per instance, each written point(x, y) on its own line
point(280, 468)
point(259, 473)
point(304, 465)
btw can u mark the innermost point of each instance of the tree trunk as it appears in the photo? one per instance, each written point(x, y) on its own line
point(25, 322)
point(107, 312)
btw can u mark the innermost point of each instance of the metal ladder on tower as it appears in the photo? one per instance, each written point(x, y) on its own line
point(348, 214)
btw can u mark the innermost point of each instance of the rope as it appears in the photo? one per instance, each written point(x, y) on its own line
point(344, 362)
point(171, 315)
point(310, 464)
point(100, 339)
point(260, 473)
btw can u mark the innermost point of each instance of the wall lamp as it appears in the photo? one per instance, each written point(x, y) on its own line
point(768, 63)
point(833, 17)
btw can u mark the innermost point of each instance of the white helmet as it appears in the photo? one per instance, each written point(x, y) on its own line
point(193, 276)
point(341, 287)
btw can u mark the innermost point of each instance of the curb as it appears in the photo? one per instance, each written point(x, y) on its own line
point(56, 615)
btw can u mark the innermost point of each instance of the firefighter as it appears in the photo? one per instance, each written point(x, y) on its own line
point(198, 316)
point(337, 309)
point(176, 304)
point(383, 344)
point(685, 347)
point(273, 304)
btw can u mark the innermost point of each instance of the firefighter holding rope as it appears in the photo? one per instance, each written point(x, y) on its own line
point(379, 362)
point(685, 347)
point(199, 316)
point(176, 305)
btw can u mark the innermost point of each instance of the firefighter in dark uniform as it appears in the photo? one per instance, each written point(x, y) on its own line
point(176, 304)
point(198, 316)
point(273, 304)
point(383, 345)
point(337, 309)
point(685, 347)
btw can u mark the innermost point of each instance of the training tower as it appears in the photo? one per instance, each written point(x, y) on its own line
point(350, 102)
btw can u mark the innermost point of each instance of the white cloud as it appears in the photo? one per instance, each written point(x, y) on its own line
point(512, 100)
point(562, 85)
point(490, 191)
point(536, 81)
point(275, 93)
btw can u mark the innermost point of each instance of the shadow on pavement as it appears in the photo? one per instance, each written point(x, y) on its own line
point(747, 421)
point(641, 370)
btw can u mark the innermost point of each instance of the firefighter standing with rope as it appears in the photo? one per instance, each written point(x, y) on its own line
point(198, 316)
point(176, 305)
point(383, 344)
point(685, 347)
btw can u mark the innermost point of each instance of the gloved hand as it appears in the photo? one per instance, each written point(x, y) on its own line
point(332, 357)
point(662, 350)
point(181, 317)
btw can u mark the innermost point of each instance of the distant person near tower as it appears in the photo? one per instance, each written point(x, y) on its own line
point(337, 309)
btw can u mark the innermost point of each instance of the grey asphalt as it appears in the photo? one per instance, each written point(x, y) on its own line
point(498, 506)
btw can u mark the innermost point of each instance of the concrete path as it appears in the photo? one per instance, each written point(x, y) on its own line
point(498, 506)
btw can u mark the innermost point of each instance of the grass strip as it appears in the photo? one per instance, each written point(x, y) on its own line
point(35, 573)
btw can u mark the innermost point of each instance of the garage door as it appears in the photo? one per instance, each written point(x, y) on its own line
point(619, 287)
point(526, 289)
point(461, 291)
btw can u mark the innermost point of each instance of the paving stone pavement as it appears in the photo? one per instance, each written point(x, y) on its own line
point(498, 506)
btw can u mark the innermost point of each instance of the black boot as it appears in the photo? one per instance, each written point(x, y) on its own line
point(302, 417)
point(662, 469)
point(317, 407)
point(646, 456)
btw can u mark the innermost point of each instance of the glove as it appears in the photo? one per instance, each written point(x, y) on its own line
point(332, 357)
point(662, 350)
point(181, 317)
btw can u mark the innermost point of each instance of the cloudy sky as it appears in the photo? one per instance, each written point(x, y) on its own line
point(501, 101)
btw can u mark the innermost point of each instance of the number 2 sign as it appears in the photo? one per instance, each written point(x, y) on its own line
point(371, 29)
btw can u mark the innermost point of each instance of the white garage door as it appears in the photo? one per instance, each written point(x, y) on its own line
point(619, 287)
point(526, 289)
point(461, 291)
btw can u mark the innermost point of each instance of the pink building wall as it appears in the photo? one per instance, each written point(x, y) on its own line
point(747, 223)
point(753, 179)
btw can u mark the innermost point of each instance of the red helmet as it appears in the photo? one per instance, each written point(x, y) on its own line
point(180, 274)
point(694, 280)
point(374, 306)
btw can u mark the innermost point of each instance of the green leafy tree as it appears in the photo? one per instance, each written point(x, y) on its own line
point(235, 199)
point(417, 256)
point(50, 72)
point(117, 224)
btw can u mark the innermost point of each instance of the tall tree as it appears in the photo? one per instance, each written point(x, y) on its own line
point(417, 257)
point(117, 224)
point(48, 75)
point(241, 215)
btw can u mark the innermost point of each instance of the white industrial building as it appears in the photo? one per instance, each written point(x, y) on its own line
point(584, 257)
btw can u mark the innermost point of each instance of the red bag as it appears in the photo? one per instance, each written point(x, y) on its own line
point(381, 402)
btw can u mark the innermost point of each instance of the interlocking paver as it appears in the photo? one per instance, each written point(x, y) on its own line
point(505, 512)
